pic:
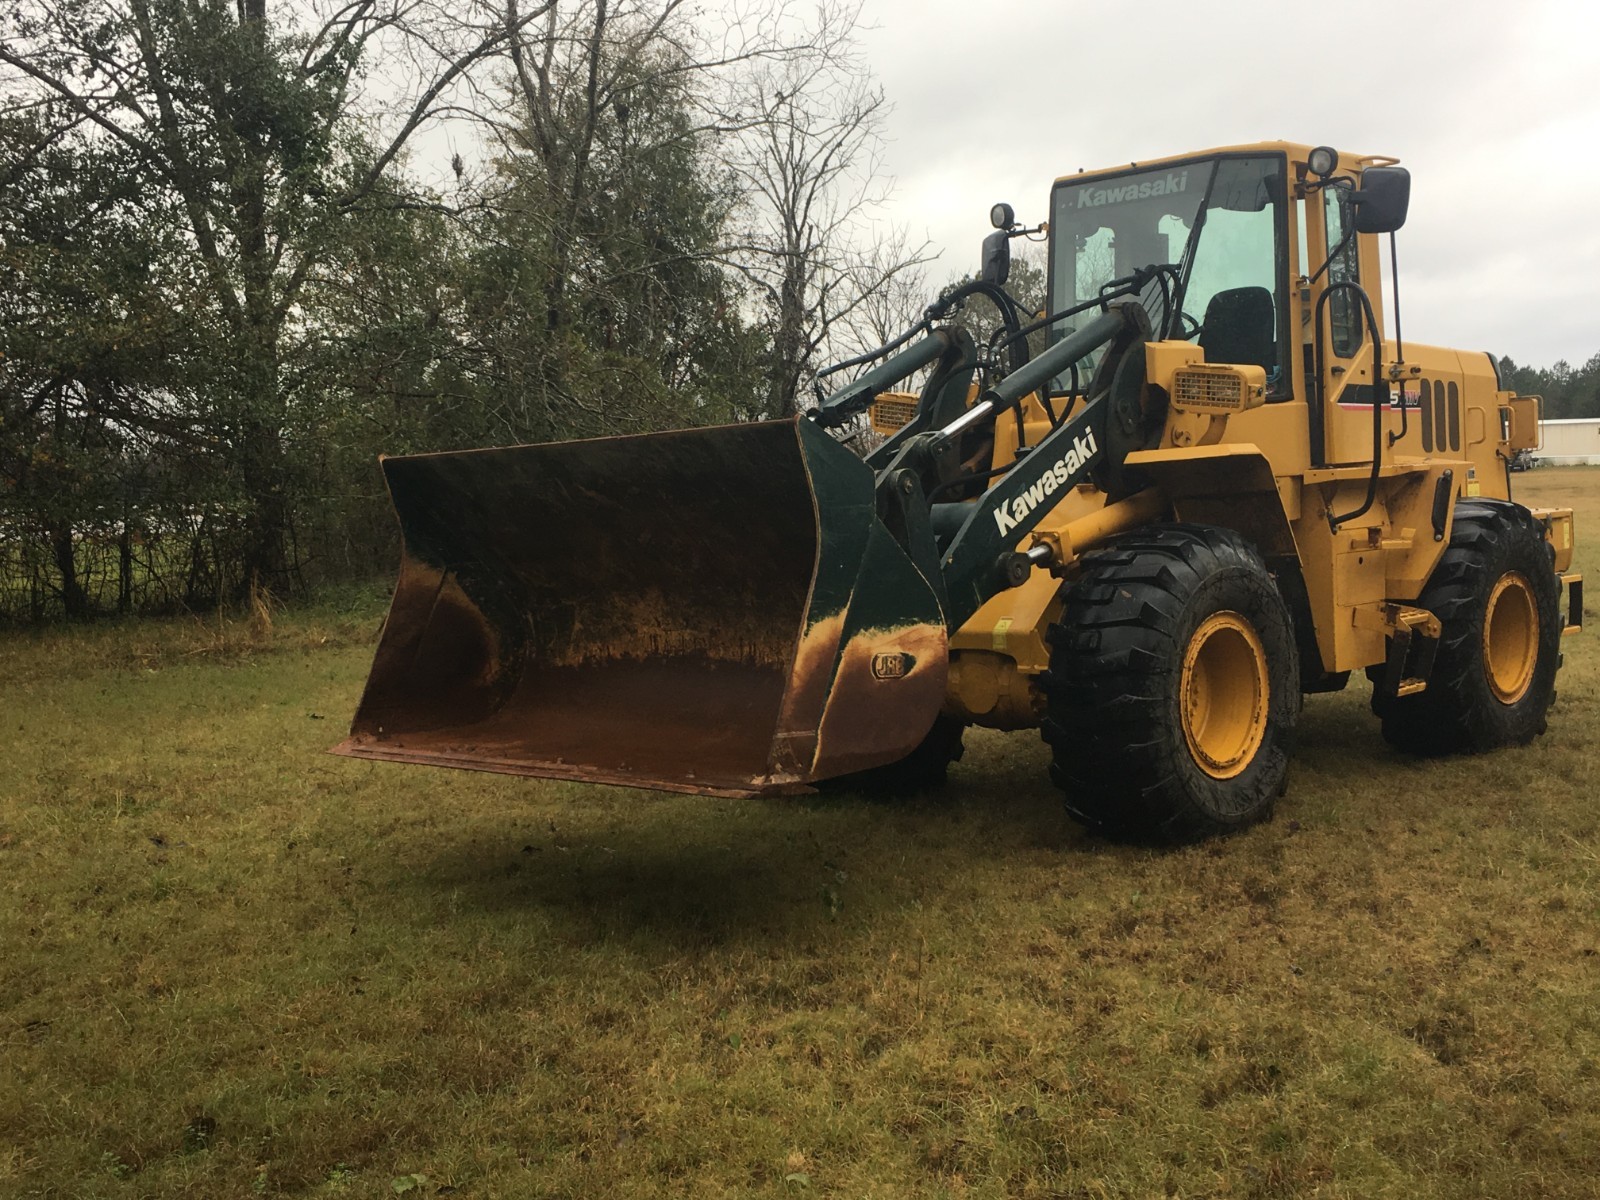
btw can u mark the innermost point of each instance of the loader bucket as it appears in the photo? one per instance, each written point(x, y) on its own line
point(716, 611)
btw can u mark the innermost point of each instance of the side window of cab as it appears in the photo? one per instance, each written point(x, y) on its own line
point(1344, 313)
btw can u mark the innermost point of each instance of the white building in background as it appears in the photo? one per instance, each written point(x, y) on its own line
point(1569, 442)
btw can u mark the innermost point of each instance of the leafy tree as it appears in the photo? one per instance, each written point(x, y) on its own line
point(1567, 391)
point(241, 128)
point(225, 294)
point(608, 221)
point(88, 332)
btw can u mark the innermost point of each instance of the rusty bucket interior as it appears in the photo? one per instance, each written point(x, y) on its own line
point(714, 610)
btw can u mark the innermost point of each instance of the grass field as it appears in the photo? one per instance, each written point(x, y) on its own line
point(235, 966)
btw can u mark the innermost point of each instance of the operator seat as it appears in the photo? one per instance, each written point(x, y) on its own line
point(1240, 327)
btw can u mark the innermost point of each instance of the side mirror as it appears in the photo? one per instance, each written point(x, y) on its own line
point(1382, 201)
point(996, 258)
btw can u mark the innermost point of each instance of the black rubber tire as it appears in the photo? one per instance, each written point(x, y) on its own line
point(1114, 712)
point(925, 769)
point(1459, 712)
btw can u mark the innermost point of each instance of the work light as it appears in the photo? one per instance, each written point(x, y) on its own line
point(1323, 161)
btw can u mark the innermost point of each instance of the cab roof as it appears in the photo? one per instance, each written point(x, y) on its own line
point(1296, 152)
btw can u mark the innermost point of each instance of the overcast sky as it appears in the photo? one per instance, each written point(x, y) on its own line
point(1494, 108)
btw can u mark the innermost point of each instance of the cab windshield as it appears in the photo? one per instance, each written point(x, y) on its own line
point(1219, 222)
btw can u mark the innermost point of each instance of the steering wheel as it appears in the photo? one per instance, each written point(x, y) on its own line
point(1188, 327)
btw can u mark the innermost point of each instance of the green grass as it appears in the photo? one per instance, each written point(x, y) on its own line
point(234, 965)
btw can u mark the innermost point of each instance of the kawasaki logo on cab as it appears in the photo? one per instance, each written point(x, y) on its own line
point(1052, 481)
point(1174, 182)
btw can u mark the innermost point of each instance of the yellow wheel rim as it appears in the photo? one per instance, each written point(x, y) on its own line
point(1510, 638)
point(1224, 694)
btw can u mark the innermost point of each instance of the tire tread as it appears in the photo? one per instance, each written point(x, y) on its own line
point(1110, 712)
point(1457, 713)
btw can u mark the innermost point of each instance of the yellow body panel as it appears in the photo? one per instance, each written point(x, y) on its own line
point(1249, 466)
point(1560, 530)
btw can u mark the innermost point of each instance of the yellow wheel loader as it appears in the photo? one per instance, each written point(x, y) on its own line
point(1216, 488)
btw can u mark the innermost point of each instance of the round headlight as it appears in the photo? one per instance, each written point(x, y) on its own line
point(1323, 161)
point(1001, 216)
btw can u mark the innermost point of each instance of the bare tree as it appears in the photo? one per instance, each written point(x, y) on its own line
point(899, 300)
point(810, 166)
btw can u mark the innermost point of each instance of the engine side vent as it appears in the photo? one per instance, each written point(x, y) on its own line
point(1216, 387)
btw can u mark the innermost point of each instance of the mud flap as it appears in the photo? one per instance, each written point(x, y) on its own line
point(717, 611)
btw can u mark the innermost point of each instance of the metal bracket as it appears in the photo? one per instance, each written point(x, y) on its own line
point(1413, 635)
point(1573, 583)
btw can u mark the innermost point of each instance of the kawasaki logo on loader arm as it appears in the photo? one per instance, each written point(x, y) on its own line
point(1053, 480)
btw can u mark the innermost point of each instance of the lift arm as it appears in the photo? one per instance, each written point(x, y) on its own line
point(981, 560)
